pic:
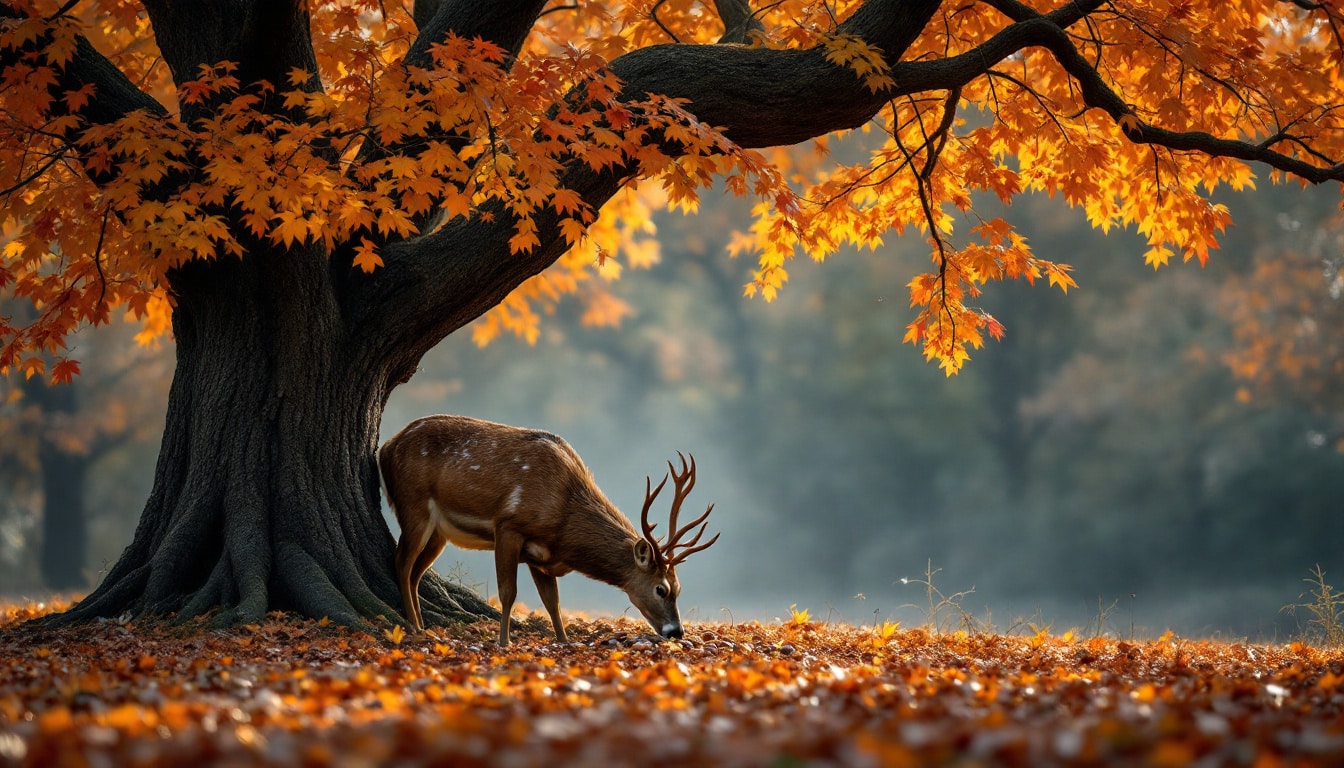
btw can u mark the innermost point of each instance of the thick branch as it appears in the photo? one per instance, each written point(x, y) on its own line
point(738, 20)
point(765, 97)
point(504, 23)
point(114, 95)
point(434, 284)
point(265, 38)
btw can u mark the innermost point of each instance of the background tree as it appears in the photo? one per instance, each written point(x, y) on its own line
point(316, 196)
point(1286, 310)
point(61, 443)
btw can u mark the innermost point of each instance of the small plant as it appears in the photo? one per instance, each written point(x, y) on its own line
point(460, 574)
point(942, 609)
point(1322, 603)
point(1103, 611)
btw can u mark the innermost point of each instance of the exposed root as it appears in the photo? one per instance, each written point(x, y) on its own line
point(443, 602)
point(249, 564)
point(178, 554)
point(211, 594)
point(311, 592)
point(111, 599)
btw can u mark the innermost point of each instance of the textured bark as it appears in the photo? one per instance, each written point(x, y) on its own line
point(265, 495)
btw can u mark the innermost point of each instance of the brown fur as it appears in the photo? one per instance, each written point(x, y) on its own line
point(525, 494)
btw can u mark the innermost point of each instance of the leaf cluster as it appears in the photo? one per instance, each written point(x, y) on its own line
point(1134, 112)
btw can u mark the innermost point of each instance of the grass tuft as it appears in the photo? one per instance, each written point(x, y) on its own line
point(1321, 603)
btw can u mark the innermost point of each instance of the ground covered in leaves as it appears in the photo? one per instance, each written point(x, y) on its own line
point(291, 692)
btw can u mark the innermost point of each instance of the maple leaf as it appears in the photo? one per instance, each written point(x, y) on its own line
point(524, 241)
point(366, 255)
point(64, 371)
point(574, 231)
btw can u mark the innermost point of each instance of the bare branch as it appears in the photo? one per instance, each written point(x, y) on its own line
point(653, 13)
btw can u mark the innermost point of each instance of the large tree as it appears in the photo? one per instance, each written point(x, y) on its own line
point(315, 194)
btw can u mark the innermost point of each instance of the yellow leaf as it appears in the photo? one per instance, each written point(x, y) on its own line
point(523, 241)
point(366, 256)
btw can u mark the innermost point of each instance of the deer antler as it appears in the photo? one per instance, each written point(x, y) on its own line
point(683, 482)
point(651, 493)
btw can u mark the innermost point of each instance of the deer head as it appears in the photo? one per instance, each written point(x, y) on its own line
point(654, 588)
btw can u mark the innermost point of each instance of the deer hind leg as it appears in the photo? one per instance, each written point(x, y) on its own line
point(431, 552)
point(410, 547)
point(508, 552)
point(550, 597)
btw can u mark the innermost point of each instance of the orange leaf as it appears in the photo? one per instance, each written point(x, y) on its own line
point(366, 255)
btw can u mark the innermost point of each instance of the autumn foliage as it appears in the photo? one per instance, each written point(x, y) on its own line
point(1135, 112)
point(288, 692)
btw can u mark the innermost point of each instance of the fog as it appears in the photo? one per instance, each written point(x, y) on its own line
point(1094, 471)
point(1104, 468)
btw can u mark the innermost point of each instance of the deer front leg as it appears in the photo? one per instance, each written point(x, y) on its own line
point(550, 597)
point(508, 551)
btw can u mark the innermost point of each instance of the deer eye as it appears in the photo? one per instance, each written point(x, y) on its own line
point(660, 591)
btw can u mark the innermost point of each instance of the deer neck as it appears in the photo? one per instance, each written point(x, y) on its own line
point(601, 547)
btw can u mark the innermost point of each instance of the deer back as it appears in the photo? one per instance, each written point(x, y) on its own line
point(483, 476)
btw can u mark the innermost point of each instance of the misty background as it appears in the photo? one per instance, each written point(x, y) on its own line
point(1102, 463)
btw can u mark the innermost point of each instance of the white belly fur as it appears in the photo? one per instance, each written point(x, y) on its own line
point(444, 521)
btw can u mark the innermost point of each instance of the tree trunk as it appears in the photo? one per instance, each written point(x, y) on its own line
point(65, 536)
point(65, 531)
point(265, 496)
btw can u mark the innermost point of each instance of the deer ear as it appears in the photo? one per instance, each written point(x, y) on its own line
point(644, 555)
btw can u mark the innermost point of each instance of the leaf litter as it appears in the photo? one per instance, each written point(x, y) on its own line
point(305, 693)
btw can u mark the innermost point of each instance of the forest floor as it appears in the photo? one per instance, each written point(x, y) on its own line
point(796, 692)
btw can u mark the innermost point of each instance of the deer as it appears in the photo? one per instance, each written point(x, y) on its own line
point(527, 495)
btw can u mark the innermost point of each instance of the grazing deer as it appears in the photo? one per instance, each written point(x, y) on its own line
point(528, 496)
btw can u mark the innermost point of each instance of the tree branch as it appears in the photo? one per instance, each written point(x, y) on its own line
point(265, 38)
point(114, 95)
point(1046, 32)
point(759, 97)
point(763, 97)
point(505, 23)
point(738, 21)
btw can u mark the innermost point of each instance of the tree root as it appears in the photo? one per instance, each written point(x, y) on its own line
point(442, 602)
point(312, 593)
point(112, 598)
